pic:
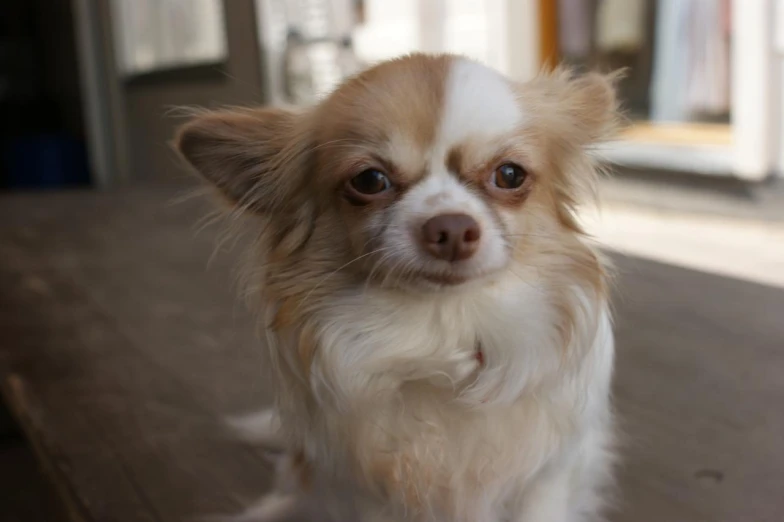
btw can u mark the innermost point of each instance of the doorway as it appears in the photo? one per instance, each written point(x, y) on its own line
point(42, 129)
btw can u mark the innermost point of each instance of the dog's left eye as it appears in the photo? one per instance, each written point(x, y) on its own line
point(370, 182)
point(509, 176)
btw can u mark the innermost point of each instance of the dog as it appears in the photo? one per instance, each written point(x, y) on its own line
point(437, 323)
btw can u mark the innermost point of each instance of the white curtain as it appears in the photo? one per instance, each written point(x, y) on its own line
point(691, 72)
point(152, 35)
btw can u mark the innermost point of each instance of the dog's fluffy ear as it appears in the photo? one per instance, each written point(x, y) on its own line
point(580, 109)
point(254, 157)
point(593, 102)
point(567, 114)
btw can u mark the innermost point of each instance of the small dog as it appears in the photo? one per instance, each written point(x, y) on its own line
point(437, 323)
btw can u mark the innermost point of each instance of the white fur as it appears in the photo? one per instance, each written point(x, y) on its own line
point(261, 427)
point(478, 101)
point(551, 440)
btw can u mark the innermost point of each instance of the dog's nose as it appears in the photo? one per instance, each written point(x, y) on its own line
point(452, 237)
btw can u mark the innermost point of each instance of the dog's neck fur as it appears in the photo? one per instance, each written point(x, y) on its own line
point(385, 383)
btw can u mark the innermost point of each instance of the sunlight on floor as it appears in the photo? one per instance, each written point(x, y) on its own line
point(745, 249)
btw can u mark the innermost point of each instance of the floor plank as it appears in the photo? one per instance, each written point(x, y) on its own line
point(26, 495)
point(699, 389)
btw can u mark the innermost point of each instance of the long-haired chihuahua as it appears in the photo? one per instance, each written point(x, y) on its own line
point(436, 321)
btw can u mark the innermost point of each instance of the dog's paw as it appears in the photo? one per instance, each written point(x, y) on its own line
point(261, 428)
point(274, 507)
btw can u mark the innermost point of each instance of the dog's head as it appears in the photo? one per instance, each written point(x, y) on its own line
point(425, 171)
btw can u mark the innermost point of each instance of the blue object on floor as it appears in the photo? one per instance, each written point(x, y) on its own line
point(45, 161)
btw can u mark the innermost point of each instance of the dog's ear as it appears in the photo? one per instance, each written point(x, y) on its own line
point(566, 114)
point(580, 109)
point(255, 157)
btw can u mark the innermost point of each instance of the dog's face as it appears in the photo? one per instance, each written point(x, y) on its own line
point(424, 171)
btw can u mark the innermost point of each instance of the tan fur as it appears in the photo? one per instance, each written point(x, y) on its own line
point(398, 99)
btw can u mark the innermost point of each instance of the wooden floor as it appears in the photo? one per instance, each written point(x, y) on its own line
point(26, 495)
point(121, 347)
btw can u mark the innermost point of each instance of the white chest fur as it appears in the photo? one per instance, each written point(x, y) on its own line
point(403, 399)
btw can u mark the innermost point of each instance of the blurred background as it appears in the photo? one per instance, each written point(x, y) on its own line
point(121, 346)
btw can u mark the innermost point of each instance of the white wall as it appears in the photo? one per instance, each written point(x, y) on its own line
point(778, 73)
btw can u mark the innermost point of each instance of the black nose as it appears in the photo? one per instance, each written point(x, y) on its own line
point(452, 237)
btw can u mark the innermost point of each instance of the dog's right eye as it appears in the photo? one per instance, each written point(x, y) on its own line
point(370, 182)
point(509, 176)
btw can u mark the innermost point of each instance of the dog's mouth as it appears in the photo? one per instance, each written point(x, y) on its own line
point(445, 279)
point(454, 277)
point(429, 274)
point(427, 278)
